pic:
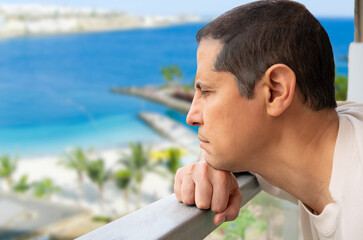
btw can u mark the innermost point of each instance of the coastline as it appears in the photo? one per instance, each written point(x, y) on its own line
point(93, 31)
point(47, 20)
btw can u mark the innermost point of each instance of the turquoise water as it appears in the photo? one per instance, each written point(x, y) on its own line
point(55, 90)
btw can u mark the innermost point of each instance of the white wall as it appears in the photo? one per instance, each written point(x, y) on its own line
point(355, 72)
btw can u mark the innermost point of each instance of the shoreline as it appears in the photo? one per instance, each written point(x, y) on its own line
point(47, 20)
point(100, 31)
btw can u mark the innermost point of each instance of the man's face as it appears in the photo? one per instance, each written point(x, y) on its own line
point(230, 126)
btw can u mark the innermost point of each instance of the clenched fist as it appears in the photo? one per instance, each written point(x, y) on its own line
point(209, 188)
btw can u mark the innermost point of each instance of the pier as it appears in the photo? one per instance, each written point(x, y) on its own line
point(159, 96)
point(172, 130)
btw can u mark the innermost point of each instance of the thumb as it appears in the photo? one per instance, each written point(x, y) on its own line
point(232, 210)
point(219, 218)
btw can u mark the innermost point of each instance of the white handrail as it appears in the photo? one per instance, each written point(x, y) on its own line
point(169, 219)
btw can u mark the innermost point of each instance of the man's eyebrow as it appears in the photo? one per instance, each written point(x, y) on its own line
point(200, 85)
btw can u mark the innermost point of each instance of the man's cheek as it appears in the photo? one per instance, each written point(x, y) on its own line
point(226, 142)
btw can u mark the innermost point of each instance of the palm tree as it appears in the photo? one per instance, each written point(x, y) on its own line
point(172, 74)
point(7, 168)
point(123, 179)
point(23, 185)
point(76, 159)
point(98, 174)
point(45, 188)
point(138, 162)
point(173, 161)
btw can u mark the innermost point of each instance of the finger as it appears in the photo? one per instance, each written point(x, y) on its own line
point(187, 191)
point(221, 182)
point(177, 184)
point(232, 210)
point(218, 219)
point(234, 206)
point(203, 193)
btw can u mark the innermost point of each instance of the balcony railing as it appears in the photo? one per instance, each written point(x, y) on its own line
point(169, 219)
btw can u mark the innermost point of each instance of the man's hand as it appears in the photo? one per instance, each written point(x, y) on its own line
point(200, 184)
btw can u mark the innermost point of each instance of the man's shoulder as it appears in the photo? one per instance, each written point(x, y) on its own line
point(350, 140)
point(352, 113)
point(350, 109)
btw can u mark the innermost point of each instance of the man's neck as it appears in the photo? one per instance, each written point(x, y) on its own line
point(301, 158)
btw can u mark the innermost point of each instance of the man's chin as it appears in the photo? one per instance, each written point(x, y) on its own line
point(216, 164)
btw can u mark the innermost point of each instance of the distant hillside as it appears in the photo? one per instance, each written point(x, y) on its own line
point(21, 20)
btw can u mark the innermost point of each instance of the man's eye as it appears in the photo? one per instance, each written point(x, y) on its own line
point(204, 92)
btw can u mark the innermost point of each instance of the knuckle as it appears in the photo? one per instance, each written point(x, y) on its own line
point(189, 168)
point(181, 171)
point(203, 170)
point(217, 208)
point(222, 176)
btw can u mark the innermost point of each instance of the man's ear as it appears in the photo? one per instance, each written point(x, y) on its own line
point(280, 84)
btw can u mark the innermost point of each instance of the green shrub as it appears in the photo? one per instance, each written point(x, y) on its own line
point(341, 88)
point(102, 219)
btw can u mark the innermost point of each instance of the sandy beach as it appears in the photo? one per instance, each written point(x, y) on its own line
point(154, 186)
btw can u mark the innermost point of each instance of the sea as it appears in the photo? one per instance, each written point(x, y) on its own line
point(55, 90)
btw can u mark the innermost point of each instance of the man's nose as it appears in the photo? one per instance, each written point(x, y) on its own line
point(194, 117)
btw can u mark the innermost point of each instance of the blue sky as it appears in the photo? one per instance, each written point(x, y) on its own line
point(342, 8)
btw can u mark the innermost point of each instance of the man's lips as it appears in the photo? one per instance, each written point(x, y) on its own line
point(202, 139)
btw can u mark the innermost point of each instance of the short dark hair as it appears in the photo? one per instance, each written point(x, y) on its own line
point(260, 34)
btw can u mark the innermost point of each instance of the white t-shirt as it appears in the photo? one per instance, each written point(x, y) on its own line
point(342, 220)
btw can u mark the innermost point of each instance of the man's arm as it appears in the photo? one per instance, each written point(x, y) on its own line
point(206, 187)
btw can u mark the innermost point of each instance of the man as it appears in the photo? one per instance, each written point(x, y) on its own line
point(265, 103)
